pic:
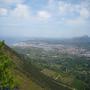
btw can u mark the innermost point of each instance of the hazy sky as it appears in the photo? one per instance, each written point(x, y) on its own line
point(44, 18)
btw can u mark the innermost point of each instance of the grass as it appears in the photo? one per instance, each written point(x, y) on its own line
point(65, 78)
point(78, 84)
point(25, 83)
point(49, 73)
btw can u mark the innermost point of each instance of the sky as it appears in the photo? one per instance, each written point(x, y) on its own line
point(44, 18)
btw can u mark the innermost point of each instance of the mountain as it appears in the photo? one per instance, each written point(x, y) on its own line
point(82, 39)
point(27, 76)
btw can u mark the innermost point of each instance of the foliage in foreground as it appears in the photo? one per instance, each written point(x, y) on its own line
point(6, 76)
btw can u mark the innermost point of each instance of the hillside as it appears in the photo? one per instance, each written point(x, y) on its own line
point(26, 75)
point(21, 80)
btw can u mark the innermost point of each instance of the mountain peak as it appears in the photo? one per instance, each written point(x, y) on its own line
point(85, 36)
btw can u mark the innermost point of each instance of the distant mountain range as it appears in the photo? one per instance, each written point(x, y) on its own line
point(82, 39)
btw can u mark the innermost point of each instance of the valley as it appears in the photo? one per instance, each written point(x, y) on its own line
point(67, 63)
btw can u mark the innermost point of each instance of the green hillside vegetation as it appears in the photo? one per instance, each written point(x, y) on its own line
point(10, 76)
point(70, 70)
point(24, 75)
point(6, 78)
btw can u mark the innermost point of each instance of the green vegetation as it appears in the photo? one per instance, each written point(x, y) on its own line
point(10, 76)
point(6, 77)
point(70, 70)
point(17, 72)
point(39, 69)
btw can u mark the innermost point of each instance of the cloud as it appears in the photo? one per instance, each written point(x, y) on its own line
point(21, 11)
point(55, 17)
point(75, 14)
point(55, 9)
point(65, 8)
point(12, 1)
point(43, 14)
point(76, 21)
point(81, 19)
point(84, 13)
point(50, 1)
point(3, 11)
point(68, 8)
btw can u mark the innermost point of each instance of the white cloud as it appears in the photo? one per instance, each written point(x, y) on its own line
point(21, 11)
point(65, 8)
point(55, 9)
point(81, 19)
point(50, 1)
point(68, 8)
point(3, 11)
point(43, 14)
point(12, 1)
point(76, 21)
point(80, 13)
point(84, 13)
